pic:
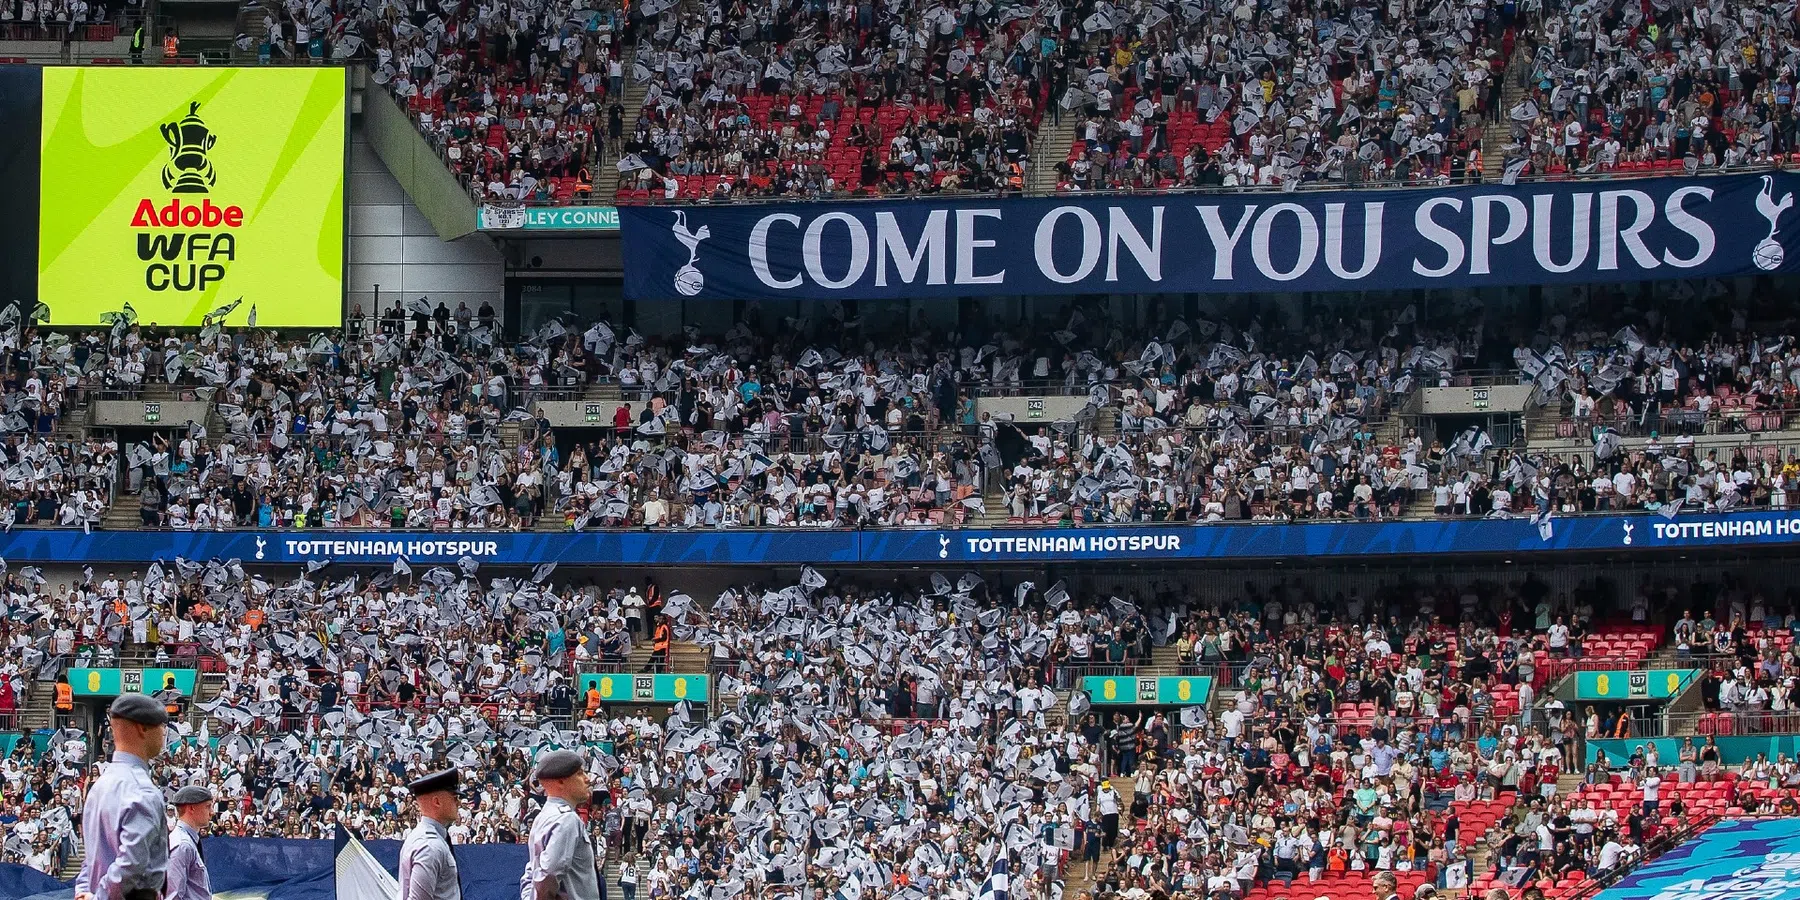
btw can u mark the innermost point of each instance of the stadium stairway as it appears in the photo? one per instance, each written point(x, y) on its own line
point(72, 867)
point(688, 658)
point(1421, 506)
point(1496, 134)
point(1075, 877)
point(685, 657)
point(1053, 143)
point(1567, 783)
point(1165, 660)
point(38, 711)
point(250, 22)
point(1106, 421)
point(993, 505)
point(207, 688)
point(610, 876)
point(606, 176)
point(122, 515)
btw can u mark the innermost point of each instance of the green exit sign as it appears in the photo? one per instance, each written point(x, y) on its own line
point(152, 412)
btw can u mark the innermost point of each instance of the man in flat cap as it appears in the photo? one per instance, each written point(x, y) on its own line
point(122, 827)
point(561, 863)
point(427, 867)
point(187, 870)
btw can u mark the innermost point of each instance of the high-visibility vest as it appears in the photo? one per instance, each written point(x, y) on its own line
point(137, 40)
point(65, 696)
point(662, 637)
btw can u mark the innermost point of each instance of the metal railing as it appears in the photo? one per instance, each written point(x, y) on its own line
point(1003, 524)
point(621, 665)
point(1721, 723)
point(1178, 190)
point(1661, 843)
point(1668, 423)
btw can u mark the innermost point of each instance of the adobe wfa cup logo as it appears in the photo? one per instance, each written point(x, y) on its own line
point(186, 246)
point(189, 171)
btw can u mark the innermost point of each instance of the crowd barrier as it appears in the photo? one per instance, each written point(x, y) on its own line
point(1171, 542)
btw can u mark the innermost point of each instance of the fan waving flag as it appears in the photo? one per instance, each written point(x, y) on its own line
point(994, 888)
point(359, 875)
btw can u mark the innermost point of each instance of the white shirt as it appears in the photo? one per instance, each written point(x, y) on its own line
point(1109, 801)
point(1609, 855)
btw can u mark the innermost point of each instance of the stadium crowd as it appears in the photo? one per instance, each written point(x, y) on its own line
point(820, 99)
point(525, 99)
point(44, 792)
point(884, 733)
point(64, 20)
point(400, 427)
point(399, 423)
point(1647, 88)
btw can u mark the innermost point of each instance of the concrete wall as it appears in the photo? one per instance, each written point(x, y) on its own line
point(574, 413)
point(81, 51)
point(175, 413)
point(394, 246)
point(1055, 409)
point(421, 174)
point(1499, 398)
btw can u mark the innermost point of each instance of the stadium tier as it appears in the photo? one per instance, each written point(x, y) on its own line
point(1071, 451)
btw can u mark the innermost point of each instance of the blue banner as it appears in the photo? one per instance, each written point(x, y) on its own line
point(1733, 860)
point(294, 869)
point(925, 545)
point(18, 881)
point(1541, 233)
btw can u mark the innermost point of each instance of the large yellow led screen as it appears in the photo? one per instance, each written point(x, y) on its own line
point(181, 190)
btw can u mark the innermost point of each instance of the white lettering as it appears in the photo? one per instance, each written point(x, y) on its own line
point(1046, 244)
point(1083, 544)
point(1224, 244)
point(1690, 225)
point(1482, 210)
point(759, 251)
point(1334, 239)
point(813, 250)
point(1542, 207)
point(1439, 235)
point(933, 247)
point(1611, 235)
point(1148, 254)
point(968, 244)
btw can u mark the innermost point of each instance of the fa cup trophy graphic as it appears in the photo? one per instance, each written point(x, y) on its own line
point(188, 170)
